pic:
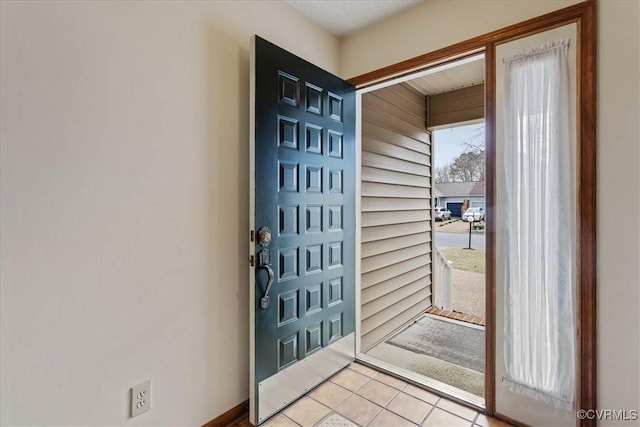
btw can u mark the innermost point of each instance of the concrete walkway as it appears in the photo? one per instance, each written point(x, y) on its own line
point(468, 292)
point(456, 226)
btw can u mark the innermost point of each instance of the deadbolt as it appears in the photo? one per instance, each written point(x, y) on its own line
point(264, 236)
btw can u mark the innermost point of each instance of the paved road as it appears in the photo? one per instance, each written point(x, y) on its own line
point(455, 240)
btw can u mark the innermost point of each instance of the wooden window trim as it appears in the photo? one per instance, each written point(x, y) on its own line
point(585, 15)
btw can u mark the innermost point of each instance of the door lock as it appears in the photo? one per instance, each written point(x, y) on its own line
point(264, 236)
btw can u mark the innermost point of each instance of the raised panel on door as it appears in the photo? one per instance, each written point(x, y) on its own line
point(304, 194)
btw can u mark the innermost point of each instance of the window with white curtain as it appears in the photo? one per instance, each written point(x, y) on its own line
point(540, 214)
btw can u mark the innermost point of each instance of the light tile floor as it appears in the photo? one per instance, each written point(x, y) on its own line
point(361, 396)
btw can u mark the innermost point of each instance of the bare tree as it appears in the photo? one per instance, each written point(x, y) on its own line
point(468, 166)
point(443, 174)
point(476, 141)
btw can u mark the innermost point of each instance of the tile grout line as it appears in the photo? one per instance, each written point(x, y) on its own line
point(375, 416)
point(326, 417)
point(383, 408)
point(428, 414)
point(354, 421)
point(284, 415)
point(432, 405)
point(332, 411)
point(351, 393)
point(385, 405)
point(473, 422)
point(458, 415)
point(402, 416)
point(354, 393)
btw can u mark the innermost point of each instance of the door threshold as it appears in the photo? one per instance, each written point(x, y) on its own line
point(454, 321)
point(437, 387)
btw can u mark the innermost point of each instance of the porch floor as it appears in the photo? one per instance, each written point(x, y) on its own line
point(448, 351)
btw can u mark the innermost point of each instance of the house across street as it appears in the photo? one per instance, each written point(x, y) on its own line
point(452, 195)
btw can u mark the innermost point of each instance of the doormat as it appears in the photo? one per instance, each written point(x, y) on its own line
point(452, 342)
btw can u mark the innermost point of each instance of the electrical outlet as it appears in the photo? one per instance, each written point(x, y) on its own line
point(140, 398)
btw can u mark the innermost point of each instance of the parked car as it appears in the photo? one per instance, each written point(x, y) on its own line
point(441, 213)
point(473, 214)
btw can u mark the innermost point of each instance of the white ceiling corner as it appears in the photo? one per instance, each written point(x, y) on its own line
point(343, 17)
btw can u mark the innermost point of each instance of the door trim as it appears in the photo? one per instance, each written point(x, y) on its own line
point(253, 408)
point(585, 15)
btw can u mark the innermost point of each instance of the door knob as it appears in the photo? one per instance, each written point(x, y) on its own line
point(264, 236)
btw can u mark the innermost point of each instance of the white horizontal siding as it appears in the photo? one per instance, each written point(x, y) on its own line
point(396, 212)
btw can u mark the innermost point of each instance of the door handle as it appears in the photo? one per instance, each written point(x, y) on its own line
point(264, 301)
point(264, 262)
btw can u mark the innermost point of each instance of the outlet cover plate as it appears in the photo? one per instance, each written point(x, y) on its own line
point(140, 398)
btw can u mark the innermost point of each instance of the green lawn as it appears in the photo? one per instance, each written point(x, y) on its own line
point(465, 259)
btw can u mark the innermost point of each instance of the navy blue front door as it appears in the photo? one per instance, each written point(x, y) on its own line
point(304, 219)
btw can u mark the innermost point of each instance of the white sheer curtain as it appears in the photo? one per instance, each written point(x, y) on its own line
point(539, 167)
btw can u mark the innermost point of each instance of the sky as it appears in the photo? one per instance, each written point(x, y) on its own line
point(450, 142)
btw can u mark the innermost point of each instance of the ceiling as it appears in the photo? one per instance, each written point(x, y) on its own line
point(463, 73)
point(343, 17)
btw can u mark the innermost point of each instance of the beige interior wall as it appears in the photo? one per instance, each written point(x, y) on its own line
point(124, 194)
point(619, 186)
point(124, 211)
point(433, 25)
point(439, 23)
